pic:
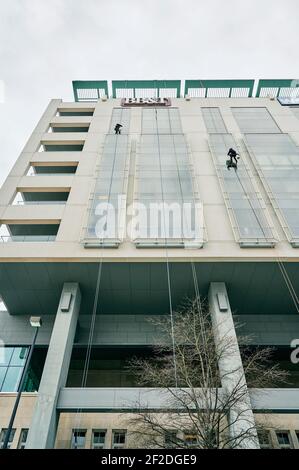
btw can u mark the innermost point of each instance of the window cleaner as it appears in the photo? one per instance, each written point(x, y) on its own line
point(117, 128)
point(232, 155)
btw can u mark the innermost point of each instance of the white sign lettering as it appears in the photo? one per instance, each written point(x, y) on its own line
point(145, 102)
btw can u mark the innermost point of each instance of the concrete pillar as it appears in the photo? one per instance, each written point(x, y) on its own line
point(43, 426)
point(230, 365)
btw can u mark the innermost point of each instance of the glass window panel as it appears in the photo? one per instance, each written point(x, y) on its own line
point(98, 439)
point(295, 110)
point(213, 120)
point(251, 220)
point(163, 172)
point(5, 355)
point(283, 438)
point(255, 120)
point(78, 439)
point(3, 371)
point(280, 151)
point(12, 379)
point(120, 116)
point(19, 357)
point(3, 435)
point(23, 438)
point(119, 437)
point(109, 186)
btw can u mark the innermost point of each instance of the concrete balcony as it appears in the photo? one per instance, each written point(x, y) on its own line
point(276, 400)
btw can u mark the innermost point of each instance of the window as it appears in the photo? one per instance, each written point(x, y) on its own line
point(277, 159)
point(2, 438)
point(22, 232)
point(255, 120)
point(71, 127)
point(12, 362)
point(161, 121)
point(213, 121)
point(165, 190)
point(284, 439)
point(107, 210)
point(75, 112)
point(119, 439)
point(23, 438)
point(248, 215)
point(78, 439)
point(120, 116)
point(98, 439)
point(38, 197)
point(49, 169)
point(264, 439)
point(295, 110)
point(60, 147)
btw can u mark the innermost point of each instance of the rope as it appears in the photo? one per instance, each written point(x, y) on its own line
point(167, 259)
point(95, 306)
point(281, 266)
point(252, 208)
point(193, 270)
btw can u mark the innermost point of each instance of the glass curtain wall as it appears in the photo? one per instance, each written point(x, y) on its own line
point(255, 120)
point(164, 185)
point(245, 206)
point(107, 215)
point(12, 362)
point(277, 159)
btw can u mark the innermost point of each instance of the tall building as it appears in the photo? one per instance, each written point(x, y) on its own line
point(75, 253)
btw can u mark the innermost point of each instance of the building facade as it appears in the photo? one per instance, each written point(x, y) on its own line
point(75, 253)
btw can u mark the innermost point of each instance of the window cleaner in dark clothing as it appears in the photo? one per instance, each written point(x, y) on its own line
point(232, 155)
point(117, 128)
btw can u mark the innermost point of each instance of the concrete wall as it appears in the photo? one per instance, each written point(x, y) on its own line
point(277, 330)
point(140, 330)
point(109, 421)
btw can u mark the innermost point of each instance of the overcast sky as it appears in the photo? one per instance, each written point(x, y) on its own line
point(45, 44)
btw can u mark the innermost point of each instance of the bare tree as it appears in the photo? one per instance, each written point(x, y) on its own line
point(197, 406)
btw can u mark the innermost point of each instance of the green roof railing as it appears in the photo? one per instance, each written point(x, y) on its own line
point(274, 87)
point(92, 90)
point(146, 84)
point(226, 88)
point(89, 90)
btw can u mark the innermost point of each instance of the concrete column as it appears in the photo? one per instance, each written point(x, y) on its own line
point(230, 365)
point(43, 426)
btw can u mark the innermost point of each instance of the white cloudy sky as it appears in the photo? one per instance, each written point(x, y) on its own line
point(45, 44)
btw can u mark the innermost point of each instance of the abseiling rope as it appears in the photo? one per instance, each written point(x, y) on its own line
point(193, 269)
point(281, 266)
point(95, 304)
point(167, 259)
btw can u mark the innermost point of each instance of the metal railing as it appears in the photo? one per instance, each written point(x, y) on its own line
point(27, 203)
point(27, 238)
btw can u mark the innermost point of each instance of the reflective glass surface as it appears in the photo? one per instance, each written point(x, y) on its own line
point(12, 362)
point(251, 223)
point(213, 120)
point(278, 159)
point(107, 208)
point(255, 120)
point(164, 183)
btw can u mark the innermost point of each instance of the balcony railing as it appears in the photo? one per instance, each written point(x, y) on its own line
point(27, 238)
point(26, 203)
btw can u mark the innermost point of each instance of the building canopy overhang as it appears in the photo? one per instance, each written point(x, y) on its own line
point(142, 287)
